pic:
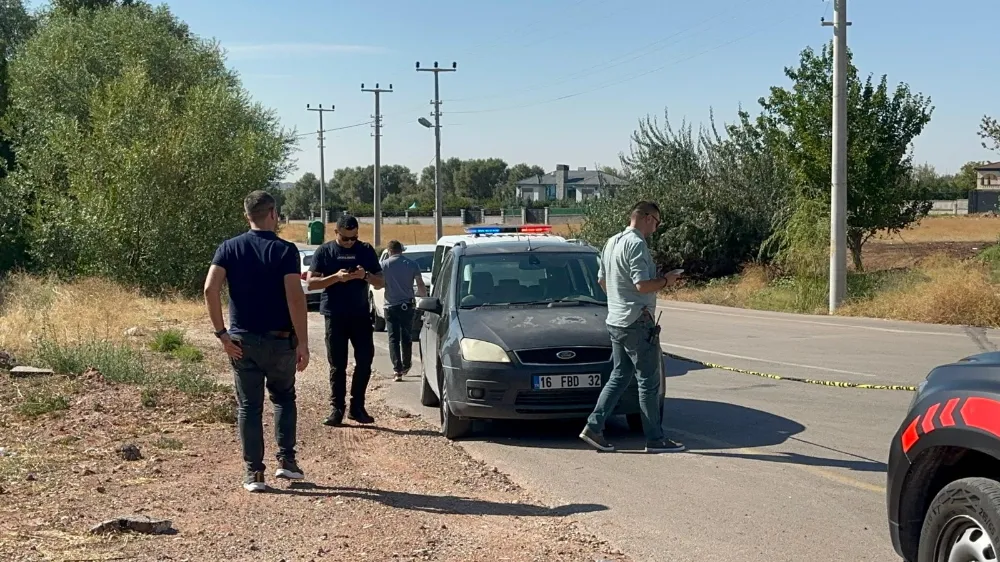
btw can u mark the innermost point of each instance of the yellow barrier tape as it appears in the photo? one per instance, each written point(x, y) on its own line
point(837, 384)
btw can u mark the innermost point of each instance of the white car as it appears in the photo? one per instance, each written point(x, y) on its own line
point(423, 254)
point(305, 260)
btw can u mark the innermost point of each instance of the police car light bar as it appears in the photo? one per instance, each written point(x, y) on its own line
point(524, 229)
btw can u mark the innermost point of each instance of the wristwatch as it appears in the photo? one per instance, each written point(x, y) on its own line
point(366, 275)
point(221, 332)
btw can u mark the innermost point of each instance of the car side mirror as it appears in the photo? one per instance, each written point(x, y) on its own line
point(429, 304)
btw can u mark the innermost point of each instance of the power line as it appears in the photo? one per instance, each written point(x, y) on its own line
point(614, 62)
point(622, 80)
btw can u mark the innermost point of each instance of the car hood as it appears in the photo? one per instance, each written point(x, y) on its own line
point(516, 328)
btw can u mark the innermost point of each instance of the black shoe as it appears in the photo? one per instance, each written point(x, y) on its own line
point(360, 415)
point(664, 446)
point(336, 417)
point(253, 481)
point(288, 469)
point(596, 440)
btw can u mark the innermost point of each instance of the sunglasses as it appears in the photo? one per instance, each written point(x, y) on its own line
point(349, 238)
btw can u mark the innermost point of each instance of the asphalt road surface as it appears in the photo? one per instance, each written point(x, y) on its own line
point(775, 470)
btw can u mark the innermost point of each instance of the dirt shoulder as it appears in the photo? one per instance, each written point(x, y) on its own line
point(396, 491)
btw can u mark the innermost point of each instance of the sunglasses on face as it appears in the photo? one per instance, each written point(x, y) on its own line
point(349, 238)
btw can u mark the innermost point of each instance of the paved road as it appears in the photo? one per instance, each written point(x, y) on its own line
point(776, 470)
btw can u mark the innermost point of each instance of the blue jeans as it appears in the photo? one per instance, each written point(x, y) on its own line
point(267, 362)
point(635, 351)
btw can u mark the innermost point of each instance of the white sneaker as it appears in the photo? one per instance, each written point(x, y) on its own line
point(254, 482)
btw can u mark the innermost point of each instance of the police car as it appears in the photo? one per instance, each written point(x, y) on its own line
point(515, 328)
point(943, 483)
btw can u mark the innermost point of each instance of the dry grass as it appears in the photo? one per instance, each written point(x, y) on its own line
point(950, 229)
point(33, 308)
point(948, 291)
point(405, 233)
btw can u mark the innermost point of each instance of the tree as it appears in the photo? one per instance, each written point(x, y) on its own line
point(718, 196)
point(882, 124)
point(989, 131)
point(16, 25)
point(479, 179)
point(135, 146)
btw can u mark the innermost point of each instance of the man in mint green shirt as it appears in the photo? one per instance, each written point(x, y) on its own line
point(628, 274)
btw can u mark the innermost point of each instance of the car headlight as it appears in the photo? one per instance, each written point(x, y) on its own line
point(483, 351)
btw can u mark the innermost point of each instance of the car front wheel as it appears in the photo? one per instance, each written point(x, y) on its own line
point(451, 426)
point(962, 523)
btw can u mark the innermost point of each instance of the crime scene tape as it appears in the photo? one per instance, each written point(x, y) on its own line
point(837, 384)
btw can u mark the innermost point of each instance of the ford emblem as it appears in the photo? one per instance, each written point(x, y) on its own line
point(566, 355)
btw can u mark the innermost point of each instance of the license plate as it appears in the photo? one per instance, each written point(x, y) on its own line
point(555, 382)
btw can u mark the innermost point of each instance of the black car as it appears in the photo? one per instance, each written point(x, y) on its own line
point(515, 329)
point(943, 489)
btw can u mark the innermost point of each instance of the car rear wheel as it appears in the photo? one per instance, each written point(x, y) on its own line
point(962, 523)
point(451, 426)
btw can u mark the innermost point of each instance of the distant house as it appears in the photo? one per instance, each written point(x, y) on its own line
point(986, 197)
point(577, 185)
point(988, 176)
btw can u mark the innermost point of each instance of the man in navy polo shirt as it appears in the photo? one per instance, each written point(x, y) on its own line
point(344, 267)
point(267, 341)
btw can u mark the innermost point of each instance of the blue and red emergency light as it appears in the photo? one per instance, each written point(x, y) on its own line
point(523, 229)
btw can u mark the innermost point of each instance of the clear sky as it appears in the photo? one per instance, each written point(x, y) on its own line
point(611, 61)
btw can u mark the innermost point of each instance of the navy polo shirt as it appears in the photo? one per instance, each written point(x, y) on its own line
point(349, 299)
point(256, 263)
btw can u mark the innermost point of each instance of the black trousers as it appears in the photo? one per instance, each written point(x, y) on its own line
point(399, 325)
point(359, 333)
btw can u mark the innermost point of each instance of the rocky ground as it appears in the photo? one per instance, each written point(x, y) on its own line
point(395, 491)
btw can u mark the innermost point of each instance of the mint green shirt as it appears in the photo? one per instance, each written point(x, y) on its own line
point(625, 261)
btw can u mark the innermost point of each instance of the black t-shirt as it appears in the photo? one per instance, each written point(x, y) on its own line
point(256, 263)
point(348, 299)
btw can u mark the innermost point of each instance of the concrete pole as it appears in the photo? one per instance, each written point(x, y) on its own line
point(838, 184)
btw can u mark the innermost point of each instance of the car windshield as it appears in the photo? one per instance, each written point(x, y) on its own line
point(529, 278)
point(424, 260)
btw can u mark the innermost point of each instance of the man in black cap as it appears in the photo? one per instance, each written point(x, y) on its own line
point(267, 339)
point(344, 267)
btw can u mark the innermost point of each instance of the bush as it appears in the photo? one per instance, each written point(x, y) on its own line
point(135, 148)
point(719, 198)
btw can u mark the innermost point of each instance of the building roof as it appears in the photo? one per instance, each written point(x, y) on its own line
point(991, 167)
point(574, 178)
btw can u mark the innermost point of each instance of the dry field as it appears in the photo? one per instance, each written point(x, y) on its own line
point(405, 233)
point(395, 491)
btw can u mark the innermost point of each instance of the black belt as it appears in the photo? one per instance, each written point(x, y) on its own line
point(279, 335)
point(402, 306)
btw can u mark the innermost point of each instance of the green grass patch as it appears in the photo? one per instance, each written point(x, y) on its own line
point(149, 398)
point(121, 363)
point(189, 353)
point(41, 403)
point(168, 443)
point(167, 341)
point(118, 363)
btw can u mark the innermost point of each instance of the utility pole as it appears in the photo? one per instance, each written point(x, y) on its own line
point(322, 171)
point(378, 159)
point(438, 204)
point(838, 183)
